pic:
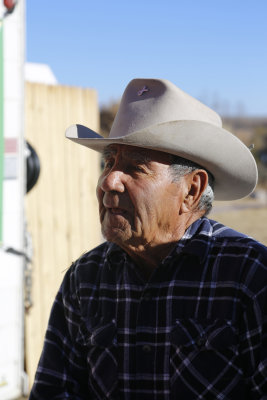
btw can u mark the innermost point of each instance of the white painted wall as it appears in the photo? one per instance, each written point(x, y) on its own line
point(12, 266)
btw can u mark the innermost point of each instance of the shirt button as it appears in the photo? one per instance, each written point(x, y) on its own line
point(146, 348)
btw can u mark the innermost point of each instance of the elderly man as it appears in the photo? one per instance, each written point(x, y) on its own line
point(172, 305)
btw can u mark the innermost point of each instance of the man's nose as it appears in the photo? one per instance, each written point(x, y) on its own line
point(113, 181)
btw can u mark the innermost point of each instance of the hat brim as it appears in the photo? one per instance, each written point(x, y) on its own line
point(219, 151)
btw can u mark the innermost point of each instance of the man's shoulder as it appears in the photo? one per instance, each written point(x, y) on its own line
point(231, 237)
point(94, 255)
point(88, 268)
point(209, 238)
point(234, 255)
point(243, 254)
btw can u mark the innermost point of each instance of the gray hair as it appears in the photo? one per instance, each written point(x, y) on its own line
point(180, 167)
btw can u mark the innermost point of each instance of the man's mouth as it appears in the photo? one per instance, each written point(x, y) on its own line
point(116, 211)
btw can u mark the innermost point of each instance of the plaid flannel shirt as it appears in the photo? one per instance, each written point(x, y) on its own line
point(195, 330)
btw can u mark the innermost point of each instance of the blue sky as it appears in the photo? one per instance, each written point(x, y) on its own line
point(214, 50)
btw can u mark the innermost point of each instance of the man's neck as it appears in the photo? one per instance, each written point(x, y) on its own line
point(148, 256)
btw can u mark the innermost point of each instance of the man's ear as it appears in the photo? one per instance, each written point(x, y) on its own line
point(197, 182)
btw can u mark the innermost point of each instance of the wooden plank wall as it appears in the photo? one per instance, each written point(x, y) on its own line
point(61, 210)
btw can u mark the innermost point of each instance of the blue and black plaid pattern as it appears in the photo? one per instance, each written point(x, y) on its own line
point(195, 330)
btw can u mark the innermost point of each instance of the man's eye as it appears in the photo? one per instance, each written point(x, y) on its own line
point(136, 168)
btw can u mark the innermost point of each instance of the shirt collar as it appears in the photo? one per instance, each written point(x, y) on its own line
point(195, 241)
point(115, 255)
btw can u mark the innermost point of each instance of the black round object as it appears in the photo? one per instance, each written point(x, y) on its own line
point(32, 166)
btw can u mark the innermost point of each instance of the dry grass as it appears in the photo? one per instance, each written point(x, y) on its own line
point(251, 221)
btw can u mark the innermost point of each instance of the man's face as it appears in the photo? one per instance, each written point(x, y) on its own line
point(138, 201)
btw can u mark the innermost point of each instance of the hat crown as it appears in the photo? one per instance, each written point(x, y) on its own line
point(155, 114)
point(147, 102)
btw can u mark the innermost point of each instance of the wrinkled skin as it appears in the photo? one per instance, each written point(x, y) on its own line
point(141, 207)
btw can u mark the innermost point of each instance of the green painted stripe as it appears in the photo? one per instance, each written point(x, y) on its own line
point(1, 128)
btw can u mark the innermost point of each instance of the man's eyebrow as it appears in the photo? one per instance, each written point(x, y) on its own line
point(133, 155)
point(136, 156)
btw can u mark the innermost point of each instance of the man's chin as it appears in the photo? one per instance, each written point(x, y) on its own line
point(116, 228)
point(116, 235)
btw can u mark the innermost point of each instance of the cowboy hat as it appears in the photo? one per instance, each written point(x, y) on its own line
point(156, 114)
